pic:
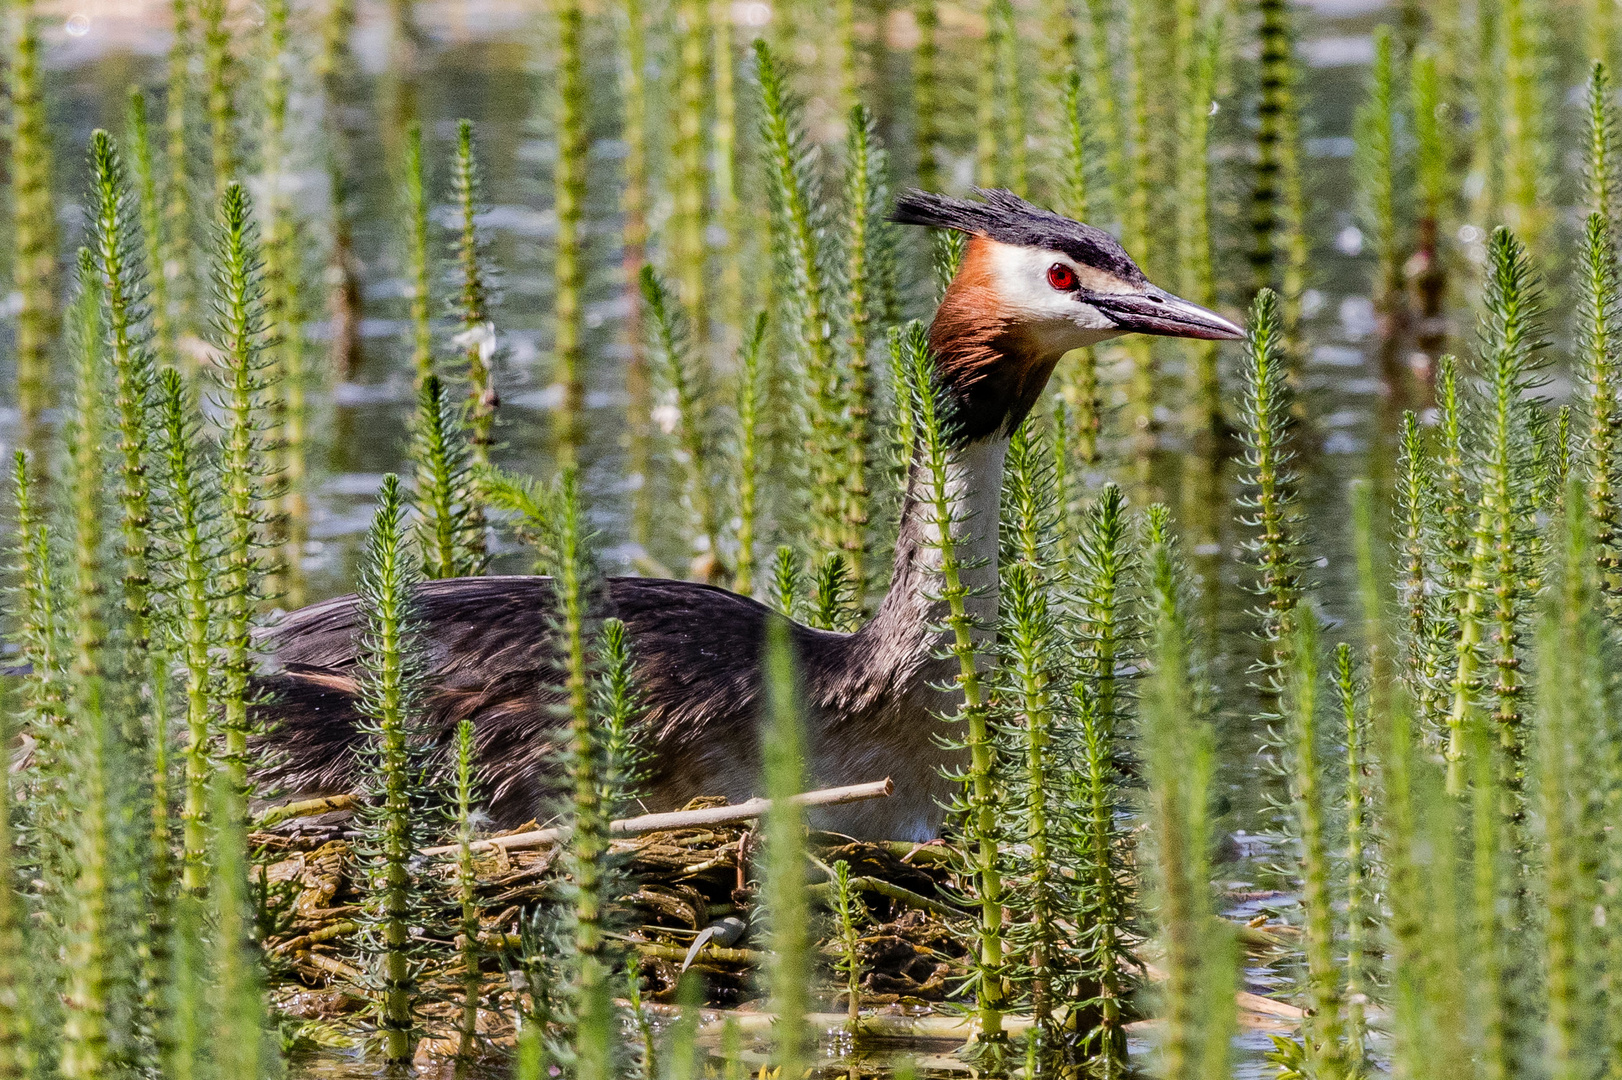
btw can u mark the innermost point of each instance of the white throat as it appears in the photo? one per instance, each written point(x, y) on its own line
point(974, 486)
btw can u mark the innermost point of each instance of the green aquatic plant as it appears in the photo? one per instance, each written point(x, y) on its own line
point(1525, 120)
point(1361, 909)
point(805, 288)
point(1376, 166)
point(241, 1045)
point(219, 83)
point(685, 379)
point(393, 824)
point(926, 93)
point(443, 493)
point(33, 217)
point(574, 579)
point(1178, 761)
point(117, 259)
point(1200, 42)
point(1493, 604)
point(333, 66)
point(244, 375)
point(149, 211)
point(833, 594)
point(689, 262)
point(1435, 182)
point(190, 543)
point(568, 204)
point(178, 100)
point(849, 915)
point(415, 212)
point(621, 706)
point(724, 163)
point(978, 805)
point(1597, 356)
point(1269, 504)
point(471, 303)
point(782, 890)
point(1101, 844)
point(1302, 679)
point(788, 580)
point(749, 467)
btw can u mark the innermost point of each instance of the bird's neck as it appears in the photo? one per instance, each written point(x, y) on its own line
point(974, 491)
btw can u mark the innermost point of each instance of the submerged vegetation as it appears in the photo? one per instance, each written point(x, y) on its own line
point(1389, 779)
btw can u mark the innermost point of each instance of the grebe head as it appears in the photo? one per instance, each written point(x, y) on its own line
point(1032, 286)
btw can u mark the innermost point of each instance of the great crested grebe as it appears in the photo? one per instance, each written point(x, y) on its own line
point(1032, 285)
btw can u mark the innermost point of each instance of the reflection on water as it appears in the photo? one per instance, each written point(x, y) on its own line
point(478, 62)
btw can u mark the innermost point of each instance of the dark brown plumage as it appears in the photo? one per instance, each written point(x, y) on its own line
point(1032, 286)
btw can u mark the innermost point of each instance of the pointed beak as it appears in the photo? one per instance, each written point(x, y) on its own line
point(1156, 312)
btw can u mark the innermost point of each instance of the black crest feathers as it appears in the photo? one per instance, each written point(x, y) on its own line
point(1009, 219)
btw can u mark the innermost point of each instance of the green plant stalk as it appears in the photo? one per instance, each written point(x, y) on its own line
point(691, 216)
point(1524, 120)
point(1267, 408)
point(1452, 487)
point(17, 1008)
point(1105, 113)
point(788, 580)
point(473, 300)
point(239, 1044)
point(1489, 90)
point(844, 20)
point(467, 895)
point(1359, 903)
point(980, 783)
point(795, 206)
point(175, 264)
point(1376, 127)
point(1598, 339)
point(416, 215)
point(1494, 1015)
point(1324, 1049)
point(188, 515)
point(150, 210)
point(751, 393)
point(685, 375)
point(1178, 778)
point(724, 161)
point(1565, 644)
point(1435, 186)
point(284, 304)
point(568, 203)
point(39, 629)
point(33, 214)
point(849, 916)
point(120, 271)
point(1421, 631)
point(332, 65)
point(863, 181)
point(1510, 353)
point(987, 160)
point(389, 705)
point(441, 469)
point(833, 594)
point(622, 706)
point(1011, 97)
point(89, 957)
point(242, 378)
point(787, 980)
point(634, 200)
point(219, 75)
point(1199, 82)
point(1030, 641)
point(1600, 174)
point(589, 847)
point(1104, 573)
point(1267, 192)
point(925, 93)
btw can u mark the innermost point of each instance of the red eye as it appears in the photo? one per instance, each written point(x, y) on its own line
point(1061, 277)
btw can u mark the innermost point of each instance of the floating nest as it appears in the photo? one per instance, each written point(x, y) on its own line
point(686, 904)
